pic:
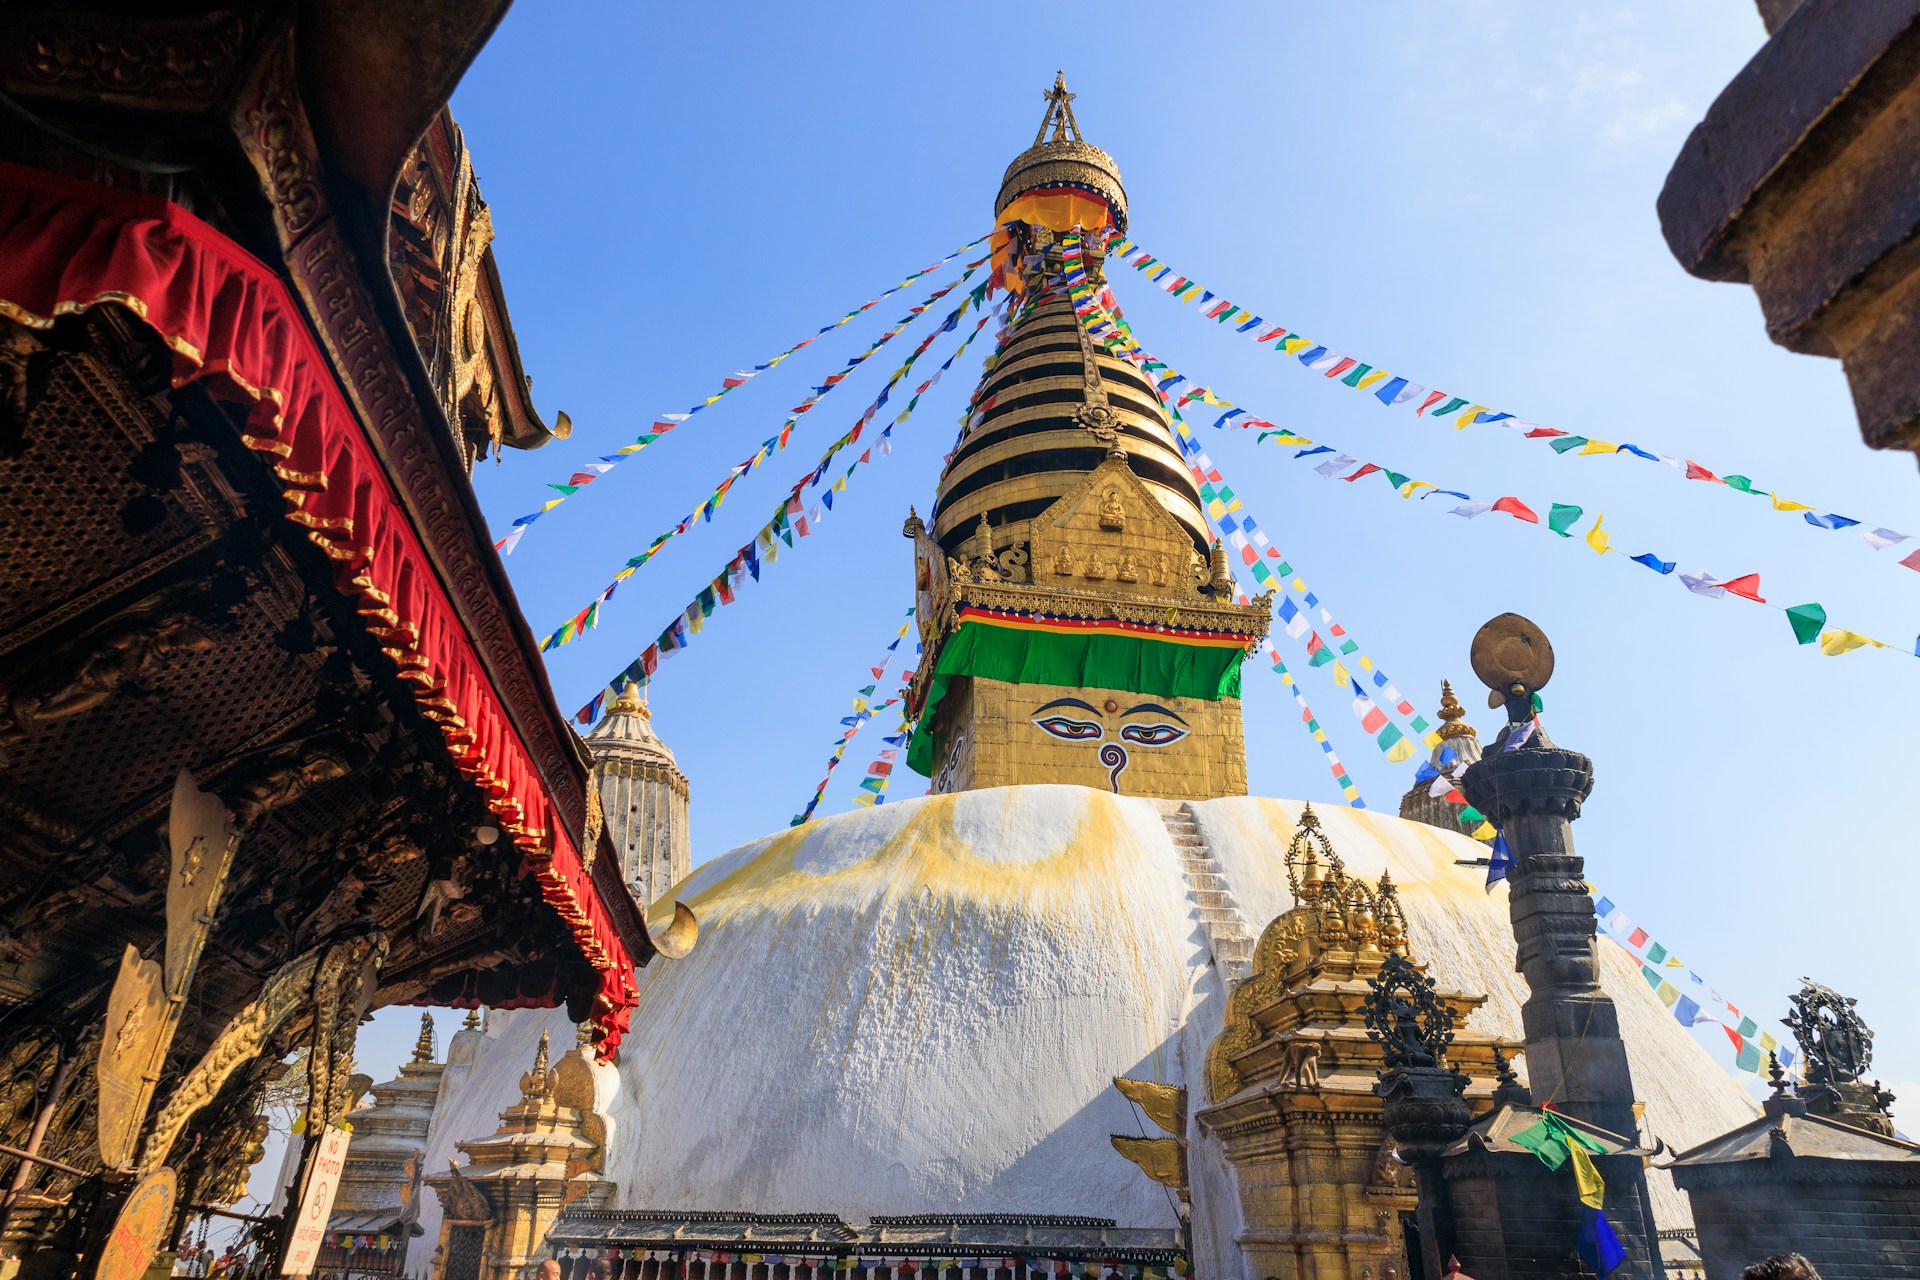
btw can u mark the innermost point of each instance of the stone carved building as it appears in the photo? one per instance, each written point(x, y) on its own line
point(643, 795)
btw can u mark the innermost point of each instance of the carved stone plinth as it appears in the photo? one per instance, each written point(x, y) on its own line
point(1800, 183)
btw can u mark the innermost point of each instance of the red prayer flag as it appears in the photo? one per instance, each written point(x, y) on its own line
point(1697, 472)
point(1748, 585)
point(1912, 561)
point(1517, 509)
point(1366, 469)
point(1543, 433)
point(1433, 398)
point(1638, 938)
point(1346, 363)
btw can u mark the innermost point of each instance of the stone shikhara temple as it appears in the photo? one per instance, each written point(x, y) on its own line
point(1088, 1008)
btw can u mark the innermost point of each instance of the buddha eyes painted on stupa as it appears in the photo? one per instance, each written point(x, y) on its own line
point(1145, 724)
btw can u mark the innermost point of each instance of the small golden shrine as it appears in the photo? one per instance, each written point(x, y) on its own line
point(1291, 1078)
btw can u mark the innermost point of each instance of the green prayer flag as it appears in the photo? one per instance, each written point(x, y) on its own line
point(1653, 978)
point(1394, 478)
point(1806, 621)
point(1749, 1059)
point(1470, 814)
point(1656, 953)
point(1458, 402)
point(1321, 657)
point(1551, 1137)
point(1741, 483)
point(1350, 646)
point(567, 489)
point(1564, 443)
point(1561, 517)
point(1359, 371)
point(1748, 1027)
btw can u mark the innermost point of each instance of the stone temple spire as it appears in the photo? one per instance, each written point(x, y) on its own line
point(644, 796)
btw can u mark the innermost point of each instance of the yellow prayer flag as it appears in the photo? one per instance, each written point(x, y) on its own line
point(1484, 831)
point(1835, 642)
point(1593, 1188)
point(1340, 673)
point(1414, 486)
point(1366, 663)
point(1467, 415)
point(1597, 537)
point(1319, 735)
point(1371, 379)
point(1783, 504)
point(1767, 1041)
point(1433, 739)
point(1401, 750)
point(1599, 446)
point(840, 485)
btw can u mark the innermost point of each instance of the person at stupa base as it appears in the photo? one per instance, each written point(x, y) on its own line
point(895, 1047)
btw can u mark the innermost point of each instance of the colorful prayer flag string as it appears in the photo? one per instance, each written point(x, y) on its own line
point(589, 616)
point(1391, 390)
point(1808, 621)
point(666, 422)
point(873, 787)
point(1110, 327)
point(790, 520)
point(862, 712)
point(1691, 999)
point(1253, 547)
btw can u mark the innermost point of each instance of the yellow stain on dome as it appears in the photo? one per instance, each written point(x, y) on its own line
point(881, 924)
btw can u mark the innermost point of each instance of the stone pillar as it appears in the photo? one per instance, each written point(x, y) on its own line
point(1533, 790)
point(1576, 1062)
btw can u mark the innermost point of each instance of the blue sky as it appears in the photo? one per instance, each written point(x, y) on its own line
point(1464, 194)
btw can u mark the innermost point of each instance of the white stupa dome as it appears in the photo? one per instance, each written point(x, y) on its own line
point(920, 1007)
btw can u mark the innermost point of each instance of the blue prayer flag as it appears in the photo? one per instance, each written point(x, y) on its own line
point(1655, 563)
point(1597, 1244)
point(1389, 389)
point(1499, 862)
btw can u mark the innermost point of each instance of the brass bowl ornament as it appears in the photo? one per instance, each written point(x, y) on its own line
point(1513, 659)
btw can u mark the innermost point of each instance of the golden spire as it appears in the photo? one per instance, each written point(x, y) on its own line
point(983, 538)
point(629, 702)
point(538, 1083)
point(1453, 715)
point(1059, 114)
point(423, 1047)
point(472, 1022)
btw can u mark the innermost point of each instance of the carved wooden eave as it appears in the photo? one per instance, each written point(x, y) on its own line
point(442, 261)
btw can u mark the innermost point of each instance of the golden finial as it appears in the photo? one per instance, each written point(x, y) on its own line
point(1059, 114)
point(538, 1083)
point(983, 538)
point(1393, 923)
point(423, 1047)
point(629, 703)
point(1309, 820)
point(1220, 581)
point(914, 526)
point(583, 1034)
point(1453, 714)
